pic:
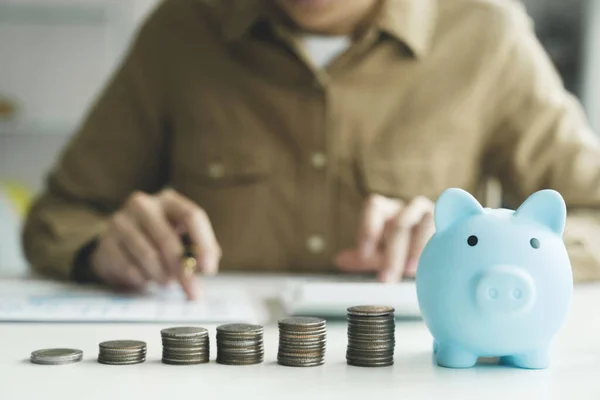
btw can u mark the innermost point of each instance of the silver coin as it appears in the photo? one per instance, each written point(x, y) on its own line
point(371, 319)
point(241, 353)
point(184, 332)
point(240, 329)
point(185, 356)
point(239, 343)
point(121, 356)
point(186, 349)
point(320, 346)
point(356, 363)
point(377, 325)
point(370, 353)
point(111, 362)
point(186, 341)
point(295, 323)
point(371, 336)
point(372, 332)
point(302, 334)
point(311, 363)
point(117, 352)
point(240, 362)
point(376, 341)
point(369, 359)
point(189, 361)
point(307, 339)
point(184, 362)
point(57, 356)
point(371, 310)
point(48, 362)
point(123, 345)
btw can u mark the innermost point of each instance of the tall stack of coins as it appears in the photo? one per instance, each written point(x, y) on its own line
point(122, 352)
point(185, 345)
point(302, 341)
point(371, 336)
point(240, 344)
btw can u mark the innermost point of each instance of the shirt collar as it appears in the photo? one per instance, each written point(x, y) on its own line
point(237, 17)
point(411, 22)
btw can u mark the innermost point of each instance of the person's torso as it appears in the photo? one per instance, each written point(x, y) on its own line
point(281, 156)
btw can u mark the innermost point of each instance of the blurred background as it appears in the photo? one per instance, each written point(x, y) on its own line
point(55, 55)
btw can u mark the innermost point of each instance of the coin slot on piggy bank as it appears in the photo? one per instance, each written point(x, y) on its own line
point(495, 282)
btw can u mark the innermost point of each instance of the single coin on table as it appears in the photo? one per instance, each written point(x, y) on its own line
point(58, 356)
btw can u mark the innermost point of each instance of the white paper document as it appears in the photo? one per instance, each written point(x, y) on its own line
point(46, 301)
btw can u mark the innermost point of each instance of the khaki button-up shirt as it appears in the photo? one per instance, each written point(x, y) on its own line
point(218, 100)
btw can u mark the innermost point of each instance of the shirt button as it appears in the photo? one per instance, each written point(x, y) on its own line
point(315, 244)
point(318, 160)
point(216, 170)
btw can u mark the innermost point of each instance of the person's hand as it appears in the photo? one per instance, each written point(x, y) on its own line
point(391, 237)
point(143, 243)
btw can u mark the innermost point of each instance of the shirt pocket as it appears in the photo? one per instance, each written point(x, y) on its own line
point(231, 179)
point(220, 160)
point(405, 169)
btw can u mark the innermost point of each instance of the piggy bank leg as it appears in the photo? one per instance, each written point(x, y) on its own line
point(452, 356)
point(539, 359)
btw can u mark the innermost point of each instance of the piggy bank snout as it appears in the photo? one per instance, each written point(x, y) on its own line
point(504, 289)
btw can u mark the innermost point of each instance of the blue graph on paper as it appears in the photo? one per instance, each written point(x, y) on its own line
point(50, 302)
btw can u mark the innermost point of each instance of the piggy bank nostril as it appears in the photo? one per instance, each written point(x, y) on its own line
point(517, 294)
point(493, 293)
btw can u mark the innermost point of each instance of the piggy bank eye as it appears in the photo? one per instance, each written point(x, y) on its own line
point(472, 240)
point(534, 243)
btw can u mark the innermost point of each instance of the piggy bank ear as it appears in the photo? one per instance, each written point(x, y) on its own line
point(454, 205)
point(546, 207)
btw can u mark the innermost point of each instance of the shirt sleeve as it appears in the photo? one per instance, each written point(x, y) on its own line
point(542, 139)
point(118, 149)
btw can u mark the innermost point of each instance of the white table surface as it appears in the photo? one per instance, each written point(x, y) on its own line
point(574, 373)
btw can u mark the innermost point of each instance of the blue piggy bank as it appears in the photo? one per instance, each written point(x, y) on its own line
point(495, 282)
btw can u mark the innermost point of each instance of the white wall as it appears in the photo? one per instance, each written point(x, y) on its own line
point(55, 56)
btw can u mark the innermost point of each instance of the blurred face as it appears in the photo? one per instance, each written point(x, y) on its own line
point(328, 16)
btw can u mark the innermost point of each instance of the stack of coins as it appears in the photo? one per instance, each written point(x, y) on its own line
point(185, 345)
point(56, 356)
point(302, 341)
point(122, 352)
point(240, 344)
point(371, 336)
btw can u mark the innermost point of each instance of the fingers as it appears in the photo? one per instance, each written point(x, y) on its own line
point(352, 261)
point(143, 242)
point(399, 236)
point(151, 219)
point(376, 212)
point(420, 236)
point(118, 270)
point(182, 211)
point(141, 250)
point(397, 241)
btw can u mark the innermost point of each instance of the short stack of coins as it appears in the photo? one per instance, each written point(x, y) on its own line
point(185, 345)
point(371, 336)
point(240, 344)
point(302, 341)
point(122, 352)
